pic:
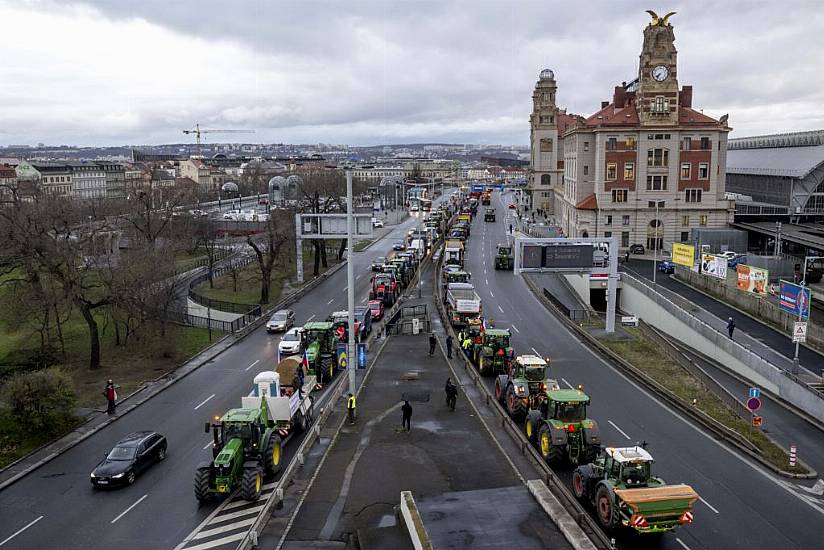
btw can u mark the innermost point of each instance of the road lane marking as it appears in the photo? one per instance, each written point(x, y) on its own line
point(567, 383)
point(486, 281)
point(7, 539)
point(330, 301)
point(502, 309)
point(218, 542)
point(252, 365)
point(490, 293)
point(204, 401)
point(516, 328)
point(536, 352)
point(357, 277)
point(234, 515)
point(209, 444)
point(218, 530)
point(310, 318)
point(681, 542)
point(127, 510)
point(619, 429)
point(710, 506)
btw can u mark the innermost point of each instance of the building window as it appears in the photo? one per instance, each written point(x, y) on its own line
point(693, 195)
point(612, 171)
point(629, 171)
point(686, 144)
point(625, 219)
point(609, 220)
point(685, 236)
point(586, 146)
point(625, 239)
point(703, 220)
point(629, 143)
point(657, 158)
point(545, 179)
point(656, 183)
point(619, 195)
point(607, 234)
point(660, 105)
point(705, 144)
point(586, 170)
point(612, 144)
point(685, 170)
point(703, 170)
point(546, 145)
point(685, 221)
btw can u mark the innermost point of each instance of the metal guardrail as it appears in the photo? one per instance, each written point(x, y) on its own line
point(574, 314)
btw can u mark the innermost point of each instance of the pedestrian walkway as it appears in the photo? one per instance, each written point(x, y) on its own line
point(194, 308)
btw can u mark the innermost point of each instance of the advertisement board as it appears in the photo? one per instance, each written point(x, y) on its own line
point(714, 266)
point(793, 298)
point(683, 254)
point(752, 279)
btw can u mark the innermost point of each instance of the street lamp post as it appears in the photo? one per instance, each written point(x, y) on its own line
point(350, 276)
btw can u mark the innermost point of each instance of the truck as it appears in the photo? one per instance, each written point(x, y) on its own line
point(524, 387)
point(620, 486)
point(475, 190)
point(462, 303)
point(453, 252)
point(247, 442)
point(503, 257)
point(494, 354)
point(561, 429)
point(320, 342)
point(418, 246)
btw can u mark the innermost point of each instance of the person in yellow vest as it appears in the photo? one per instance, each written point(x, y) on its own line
point(350, 408)
point(466, 345)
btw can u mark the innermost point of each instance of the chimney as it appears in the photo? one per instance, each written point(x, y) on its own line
point(604, 104)
point(619, 97)
point(686, 96)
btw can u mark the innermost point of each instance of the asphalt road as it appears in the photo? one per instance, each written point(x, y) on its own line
point(742, 506)
point(56, 506)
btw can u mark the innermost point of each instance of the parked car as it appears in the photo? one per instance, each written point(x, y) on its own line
point(376, 307)
point(363, 320)
point(742, 259)
point(666, 267)
point(636, 249)
point(281, 321)
point(376, 222)
point(263, 200)
point(729, 255)
point(399, 245)
point(377, 262)
point(292, 342)
point(130, 456)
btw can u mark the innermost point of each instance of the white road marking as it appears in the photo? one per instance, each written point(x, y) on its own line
point(231, 527)
point(493, 295)
point(330, 301)
point(209, 444)
point(710, 506)
point(681, 542)
point(252, 365)
point(218, 542)
point(127, 510)
point(7, 539)
point(346, 287)
point(310, 318)
point(357, 277)
point(515, 328)
point(567, 383)
point(536, 352)
point(486, 281)
point(204, 401)
point(619, 429)
point(499, 307)
point(234, 515)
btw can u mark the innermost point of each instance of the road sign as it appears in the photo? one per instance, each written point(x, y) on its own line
point(757, 421)
point(342, 359)
point(794, 299)
point(361, 356)
point(755, 392)
point(799, 331)
point(753, 404)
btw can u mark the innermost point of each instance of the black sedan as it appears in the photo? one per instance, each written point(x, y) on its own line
point(130, 456)
point(400, 245)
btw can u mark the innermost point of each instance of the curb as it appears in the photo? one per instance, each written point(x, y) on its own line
point(652, 385)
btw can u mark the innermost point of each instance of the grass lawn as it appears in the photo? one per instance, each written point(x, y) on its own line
point(645, 356)
point(360, 245)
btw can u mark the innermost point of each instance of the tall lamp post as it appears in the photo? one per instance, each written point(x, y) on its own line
point(351, 360)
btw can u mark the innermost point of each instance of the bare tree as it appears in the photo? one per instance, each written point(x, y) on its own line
point(270, 247)
point(150, 213)
point(322, 192)
point(209, 240)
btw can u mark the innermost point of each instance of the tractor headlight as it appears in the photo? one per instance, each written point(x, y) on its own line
point(520, 389)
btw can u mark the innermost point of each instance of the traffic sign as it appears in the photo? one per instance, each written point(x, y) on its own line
point(753, 404)
point(755, 392)
point(361, 356)
point(799, 331)
point(757, 421)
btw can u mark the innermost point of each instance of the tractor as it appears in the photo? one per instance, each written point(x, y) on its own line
point(321, 342)
point(524, 386)
point(620, 486)
point(489, 215)
point(384, 288)
point(503, 257)
point(561, 429)
point(494, 354)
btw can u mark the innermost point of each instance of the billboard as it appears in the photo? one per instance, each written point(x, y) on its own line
point(752, 279)
point(558, 256)
point(683, 254)
point(714, 266)
point(793, 298)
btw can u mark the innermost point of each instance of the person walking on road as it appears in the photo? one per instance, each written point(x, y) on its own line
point(730, 327)
point(449, 346)
point(451, 391)
point(432, 342)
point(111, 396)
point(406, 422)
point(350, 408)
point(510, 229)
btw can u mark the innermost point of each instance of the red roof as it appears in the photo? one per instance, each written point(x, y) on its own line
point(565, 122)
point(690, 116)
point(7, 172)
point(590, 202)
point(612, 116)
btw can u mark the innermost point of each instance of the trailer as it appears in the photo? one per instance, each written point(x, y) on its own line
point(453, 253)
point(462, 303)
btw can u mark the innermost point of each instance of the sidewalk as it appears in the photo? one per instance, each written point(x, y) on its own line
point(202, 311)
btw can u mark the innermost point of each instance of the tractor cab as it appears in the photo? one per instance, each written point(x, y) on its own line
point(629, 467)
point(320, 341)
point(530, 367)
point(498, 339)
point(503, 257)
point(457, 276)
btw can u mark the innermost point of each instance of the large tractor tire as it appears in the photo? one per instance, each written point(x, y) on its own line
point(483, 365)
point(531, 426)
point(579, 483)
point(272, 454)
point(514, 406)
point(252, 483)
point(552, 454)
point(605, 508)
point(202, 493)
point(499, 391)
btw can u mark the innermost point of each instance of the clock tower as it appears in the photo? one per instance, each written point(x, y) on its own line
point(545, 175)
point(657, 97)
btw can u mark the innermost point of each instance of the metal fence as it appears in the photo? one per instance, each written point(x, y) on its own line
point(235, 325)
point(229, 307)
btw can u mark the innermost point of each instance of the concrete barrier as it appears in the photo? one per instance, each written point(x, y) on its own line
point(658, 311)
point(559, 515)
point(414, 524)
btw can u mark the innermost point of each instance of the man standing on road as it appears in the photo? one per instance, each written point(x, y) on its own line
point(111, 396)
point(406, 423)
point(449, 346)
point(350, 408)
point(432, 342)
point(730, 327)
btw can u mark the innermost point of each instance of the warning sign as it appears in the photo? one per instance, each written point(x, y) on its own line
point(799, 332)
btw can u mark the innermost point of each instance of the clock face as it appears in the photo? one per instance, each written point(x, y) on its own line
point(660, 73)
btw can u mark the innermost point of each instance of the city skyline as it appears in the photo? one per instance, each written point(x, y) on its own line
point(101, 73)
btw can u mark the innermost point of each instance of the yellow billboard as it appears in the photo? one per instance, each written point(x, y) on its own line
point(683, 254)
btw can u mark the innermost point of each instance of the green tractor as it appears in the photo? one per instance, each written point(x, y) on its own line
point(561, 429)
point(494, 354)
point(524, 386)
point(320, 344)
point(620, 486)
point(503, 257)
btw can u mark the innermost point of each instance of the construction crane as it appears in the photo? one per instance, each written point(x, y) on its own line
point(197, 131)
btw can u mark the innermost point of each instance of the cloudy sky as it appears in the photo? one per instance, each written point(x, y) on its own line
point(112, 72)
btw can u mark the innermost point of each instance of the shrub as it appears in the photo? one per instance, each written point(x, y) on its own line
point(41, 400)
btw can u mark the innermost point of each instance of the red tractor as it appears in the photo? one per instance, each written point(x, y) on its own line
point(384, 288)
